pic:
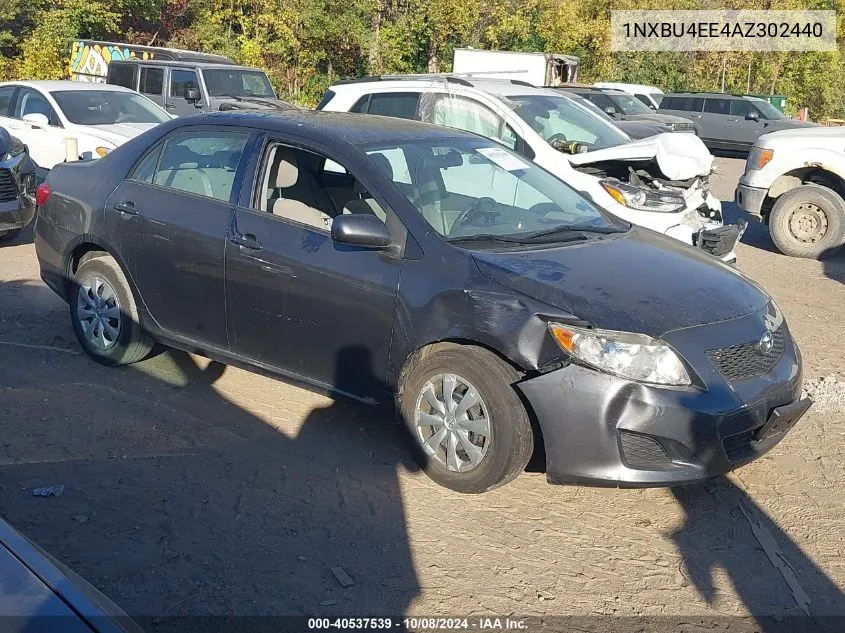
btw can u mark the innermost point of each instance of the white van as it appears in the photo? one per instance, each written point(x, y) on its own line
point(661, 182)
point(649, 95)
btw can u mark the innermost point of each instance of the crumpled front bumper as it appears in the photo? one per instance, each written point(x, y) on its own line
point(605, 430)
point(16, 214)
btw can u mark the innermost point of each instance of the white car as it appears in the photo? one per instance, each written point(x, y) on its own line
point(795, 180)
point(42, 114)
point(649, 95)
point(661, 182)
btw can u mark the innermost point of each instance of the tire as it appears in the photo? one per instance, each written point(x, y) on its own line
point(808, 221)
point(501, 454)
point(8, 236)
point(100, 287)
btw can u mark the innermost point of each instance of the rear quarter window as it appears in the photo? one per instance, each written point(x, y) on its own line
point(122, 75)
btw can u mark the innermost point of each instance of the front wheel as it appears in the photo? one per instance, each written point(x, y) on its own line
point(808, 221)
point(104, 315)
point(468, 427)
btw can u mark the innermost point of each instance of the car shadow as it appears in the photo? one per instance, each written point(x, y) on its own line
point(834, 265)
point(24, 237)
point(726, 533)
point(757, 232)
point(191, 489)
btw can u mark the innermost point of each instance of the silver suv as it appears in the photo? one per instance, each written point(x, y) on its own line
point(728, 122)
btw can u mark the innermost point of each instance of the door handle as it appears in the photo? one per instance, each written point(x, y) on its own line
point(127, 208)
point(248, 241)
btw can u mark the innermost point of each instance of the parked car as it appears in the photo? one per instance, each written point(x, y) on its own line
point(42, 114)
point(17, 186)
point(728, 122)
point(649, 95)
point(41, 595)
point(661, 182)
point(188, 86)
point(422, 266)
point(795, 180)
point(635, 129)
point(621, 106)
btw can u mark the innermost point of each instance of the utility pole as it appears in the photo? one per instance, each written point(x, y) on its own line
point(724, 64)
point(748, 81)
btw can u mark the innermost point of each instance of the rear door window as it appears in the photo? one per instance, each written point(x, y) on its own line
point(401, 105)
point(717, 106)
point(152, 81)
point(203, 163)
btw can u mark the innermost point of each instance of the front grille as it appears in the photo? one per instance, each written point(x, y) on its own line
point(741, 362)
point(683, 127)
point(8, 188)
point(642, 451)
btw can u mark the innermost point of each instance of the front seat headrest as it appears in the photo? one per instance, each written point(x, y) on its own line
point(383, 164)
point(287, 174)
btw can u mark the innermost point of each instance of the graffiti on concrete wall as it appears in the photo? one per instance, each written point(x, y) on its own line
point(89, 60)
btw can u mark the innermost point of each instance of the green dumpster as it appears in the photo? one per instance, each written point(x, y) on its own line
point(779, 101)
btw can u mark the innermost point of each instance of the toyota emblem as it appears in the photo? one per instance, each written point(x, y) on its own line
point(766, 343)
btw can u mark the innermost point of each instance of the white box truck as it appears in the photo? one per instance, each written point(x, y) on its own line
point(537, 69)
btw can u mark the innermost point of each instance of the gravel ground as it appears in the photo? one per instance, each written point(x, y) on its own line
point(197, 489)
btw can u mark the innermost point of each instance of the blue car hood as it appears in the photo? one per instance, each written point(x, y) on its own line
point(636, 282)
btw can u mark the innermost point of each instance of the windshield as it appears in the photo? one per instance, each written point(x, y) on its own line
point(558, 119)
point(468, 188)
point(628, 104)
point(768, 110)
point(107, 107)
point(223, 82)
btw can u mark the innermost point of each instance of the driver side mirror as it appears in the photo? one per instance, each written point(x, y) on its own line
point(36, 120)
point(192, 95)
point(360, 229)
point(610, 110)
point(752, 115)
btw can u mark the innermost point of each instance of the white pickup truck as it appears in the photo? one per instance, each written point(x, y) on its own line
point(795, 180)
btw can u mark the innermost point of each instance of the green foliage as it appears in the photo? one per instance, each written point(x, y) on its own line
point(304, 45)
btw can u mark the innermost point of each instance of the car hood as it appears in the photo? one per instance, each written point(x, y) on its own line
point(803, 137)
point(641, 129)
point(118, 133)
point(636, 282)
point(679, 156)
point(656, 118)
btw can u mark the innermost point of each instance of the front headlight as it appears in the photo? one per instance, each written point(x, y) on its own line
point(634, 356)
point(758, 158)
point(643, 199)
point(102, 151)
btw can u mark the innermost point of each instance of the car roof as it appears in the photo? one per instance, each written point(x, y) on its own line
point(66, 84)
point(497, 87)
point(185, 63)
point(329, 127)
point(720, 95)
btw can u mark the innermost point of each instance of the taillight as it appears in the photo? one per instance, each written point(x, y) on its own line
point(42, 192)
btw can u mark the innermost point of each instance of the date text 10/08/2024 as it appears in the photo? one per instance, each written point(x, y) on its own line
point(419, 624)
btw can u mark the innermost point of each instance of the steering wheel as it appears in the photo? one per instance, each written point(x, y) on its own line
point(559, 137)
point(484, 210)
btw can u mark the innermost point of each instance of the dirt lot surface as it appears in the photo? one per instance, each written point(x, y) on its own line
point(197, 489)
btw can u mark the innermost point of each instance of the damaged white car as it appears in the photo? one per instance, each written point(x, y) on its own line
point(661, 182)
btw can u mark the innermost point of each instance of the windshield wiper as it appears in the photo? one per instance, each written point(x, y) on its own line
point(577, 231)
point(486, 237)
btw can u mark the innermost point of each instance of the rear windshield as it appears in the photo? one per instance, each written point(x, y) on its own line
point(107, 107)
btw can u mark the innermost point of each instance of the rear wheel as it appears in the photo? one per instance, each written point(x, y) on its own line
point(469, 429)
point(808, 221)
point(104, 314)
